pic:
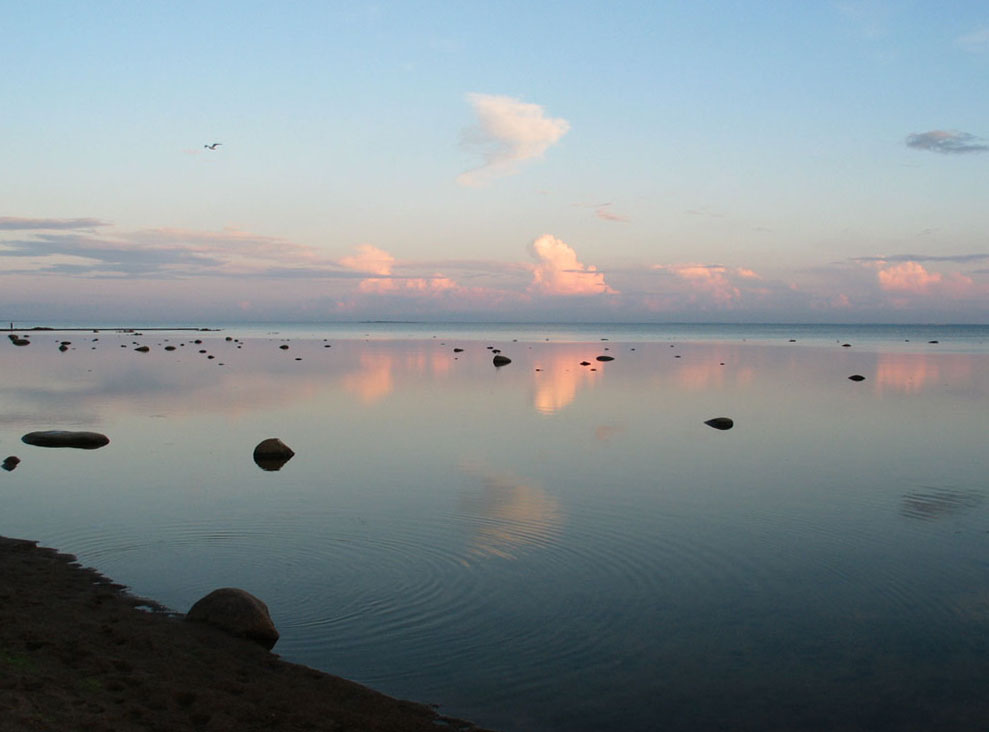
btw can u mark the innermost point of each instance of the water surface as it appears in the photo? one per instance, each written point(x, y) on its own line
point(547, 546)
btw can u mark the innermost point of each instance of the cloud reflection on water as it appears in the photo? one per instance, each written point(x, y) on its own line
point(913, 372)
point(508, 513)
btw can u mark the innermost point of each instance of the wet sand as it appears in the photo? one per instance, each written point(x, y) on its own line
point(78, 652)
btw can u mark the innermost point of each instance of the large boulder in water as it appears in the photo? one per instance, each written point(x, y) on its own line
point(237, 612)
point(500, 360)
point(66, 438)
point(272, 454)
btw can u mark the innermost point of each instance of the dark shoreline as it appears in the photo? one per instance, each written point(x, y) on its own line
point(78, 652)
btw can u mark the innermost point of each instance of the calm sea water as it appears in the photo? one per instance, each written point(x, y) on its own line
point(546, 545)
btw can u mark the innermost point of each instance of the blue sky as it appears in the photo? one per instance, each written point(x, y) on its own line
point(717, 161)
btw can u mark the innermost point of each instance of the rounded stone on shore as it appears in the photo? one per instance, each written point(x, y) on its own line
point(272, 454)
point(236, 612)
point(720, 423)
point(66, 438)
point(500, 360)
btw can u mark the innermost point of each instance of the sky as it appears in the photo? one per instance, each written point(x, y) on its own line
point(553, 161)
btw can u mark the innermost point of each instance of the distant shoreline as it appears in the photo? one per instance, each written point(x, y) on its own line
point(113, 329)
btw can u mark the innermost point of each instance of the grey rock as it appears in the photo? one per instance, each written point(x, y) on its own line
point(236, 612)
point(10, 463)
point(272, 454)
point(65, 438)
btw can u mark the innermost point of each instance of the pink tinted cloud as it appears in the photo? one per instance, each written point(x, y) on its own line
point(713, 281)
point(370, 259)
point(375, 261)
point(911, 278)
point(558, 272)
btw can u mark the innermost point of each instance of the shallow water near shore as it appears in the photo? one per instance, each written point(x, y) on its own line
point(547, 546)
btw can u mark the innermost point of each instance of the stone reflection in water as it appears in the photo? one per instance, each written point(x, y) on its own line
point(936, 503)
point(511, 513)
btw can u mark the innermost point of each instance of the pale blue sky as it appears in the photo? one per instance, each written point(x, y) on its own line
point(712, 161)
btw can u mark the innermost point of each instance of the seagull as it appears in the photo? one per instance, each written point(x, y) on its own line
point(213, 146)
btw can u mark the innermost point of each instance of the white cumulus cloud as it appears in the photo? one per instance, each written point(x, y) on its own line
point(557, 271)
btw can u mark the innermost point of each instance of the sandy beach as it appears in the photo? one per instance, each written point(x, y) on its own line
point(78, 652)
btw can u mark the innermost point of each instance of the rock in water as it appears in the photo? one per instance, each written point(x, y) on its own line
point(143, 349)
point(856, 377)
point(64, 438)
point(500, 360)
point(720, 423)
point(10, 463)
point(605, 358)
point(237, 612)
point(272, 454)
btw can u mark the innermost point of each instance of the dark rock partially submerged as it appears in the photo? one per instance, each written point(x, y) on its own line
point(10, 463)
point(500, 360)
point(238, 613)
point(720, 423)
point(66, 438)
point(605, 358)
point(272, 454)
point(856, 377)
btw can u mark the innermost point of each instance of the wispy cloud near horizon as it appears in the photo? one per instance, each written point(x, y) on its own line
point(15, 223)
point(508, 131)
point(956, 258)
point(948, 142)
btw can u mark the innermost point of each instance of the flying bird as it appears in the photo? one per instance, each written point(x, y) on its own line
point(213, 146)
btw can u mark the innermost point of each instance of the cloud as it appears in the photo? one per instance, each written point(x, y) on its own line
point(716, 283)
point(946, 142)
point(956, 258)
point(379, 263)
point(910, 278)
point(975, 42)
point(603, 213)
point(14, 223)
point(508, 131)
point(159, 253)
point(370, 259)
point(557, 271)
